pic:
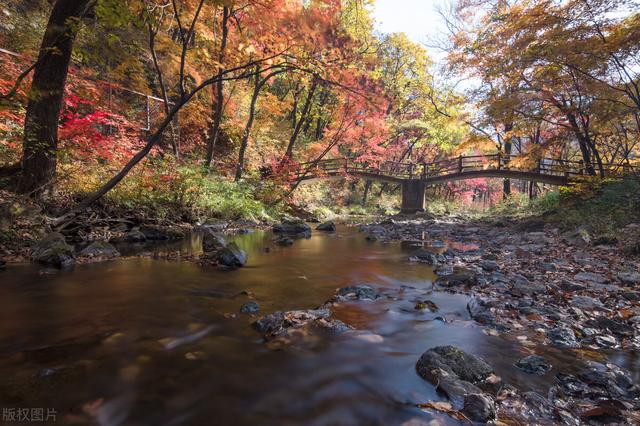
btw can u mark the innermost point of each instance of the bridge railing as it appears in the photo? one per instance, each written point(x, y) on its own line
point(459, 165)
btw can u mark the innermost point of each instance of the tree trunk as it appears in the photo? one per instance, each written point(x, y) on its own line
point(219, 91)
point(302, 120)
point(249, 126)
point(506, 183)
point(365, 195)
point(582, 143)
point(46, 94)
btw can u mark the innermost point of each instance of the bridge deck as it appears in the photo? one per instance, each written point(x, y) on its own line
point(545, 170)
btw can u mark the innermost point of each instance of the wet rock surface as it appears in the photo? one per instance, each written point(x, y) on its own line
point(460, 376)
point(295, 228)
point(534, 364)
point(542, 288)
point(291, 325)
point(231, 257)
point(100, 250)
point(212, 241)
point(530, 279)
point(54, 251)
point(357, 292)
point(250, 307)
point(328, 226)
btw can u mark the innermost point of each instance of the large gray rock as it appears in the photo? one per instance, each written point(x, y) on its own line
point(425, 256)
point(328, 226)
point(100, 249)
point(53, 250)
point(293, 227)
point(282, 324)
point(629, 278)
point(456, 389)
point(211, 241)
point(480, 310)
point(489, 265)
point(563, 337)
point(459, 277)
point(580, 237)
point(586, 303)
point(459, 376)
point(523, 287)
point(534, 364)
point(251, 307)
point(454, 361)
point(357, 292)
point(479, 407)
point(591, 277)
point(231, 257)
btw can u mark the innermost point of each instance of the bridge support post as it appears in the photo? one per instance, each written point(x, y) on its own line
point(412, 196)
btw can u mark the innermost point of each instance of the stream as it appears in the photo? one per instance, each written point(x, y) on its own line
point(149, 341)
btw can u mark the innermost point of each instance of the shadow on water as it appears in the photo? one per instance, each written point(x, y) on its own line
point(148, 341)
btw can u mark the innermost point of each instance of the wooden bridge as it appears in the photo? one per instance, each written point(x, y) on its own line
point(415, 177)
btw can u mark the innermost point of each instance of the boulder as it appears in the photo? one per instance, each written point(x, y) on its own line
point(572, 286)
point(460, 276)
point(53, 250)
point(328, 226)
point(458, 375)
point(231, 257)
point(590, 277)
point(586, 303)
point(130, 238)
point(579, 237)
point(534, 364)
point(524, 287)
point(216, 225)
point(489, 265)
point(528, 408)
point(563, 337)
point(479, 407)
point(100, 249)
point(456, 389)
point(357, 292)
point(453, 361)
point(480, 310)
point(629, 278)
point(212, 242)
point(424, 256)
point(616, 327)
point(293, 227)
point(251, 307)
point(282, 324)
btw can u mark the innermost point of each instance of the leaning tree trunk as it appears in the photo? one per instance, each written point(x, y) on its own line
point(45, 96)
point(218, 110)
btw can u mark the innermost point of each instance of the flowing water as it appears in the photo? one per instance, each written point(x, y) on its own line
point(148, 341)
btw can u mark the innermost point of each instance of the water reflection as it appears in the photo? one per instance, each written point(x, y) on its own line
point(93, 343)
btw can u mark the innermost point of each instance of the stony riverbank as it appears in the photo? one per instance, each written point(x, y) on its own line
point(540, 287)
point(539, 284)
